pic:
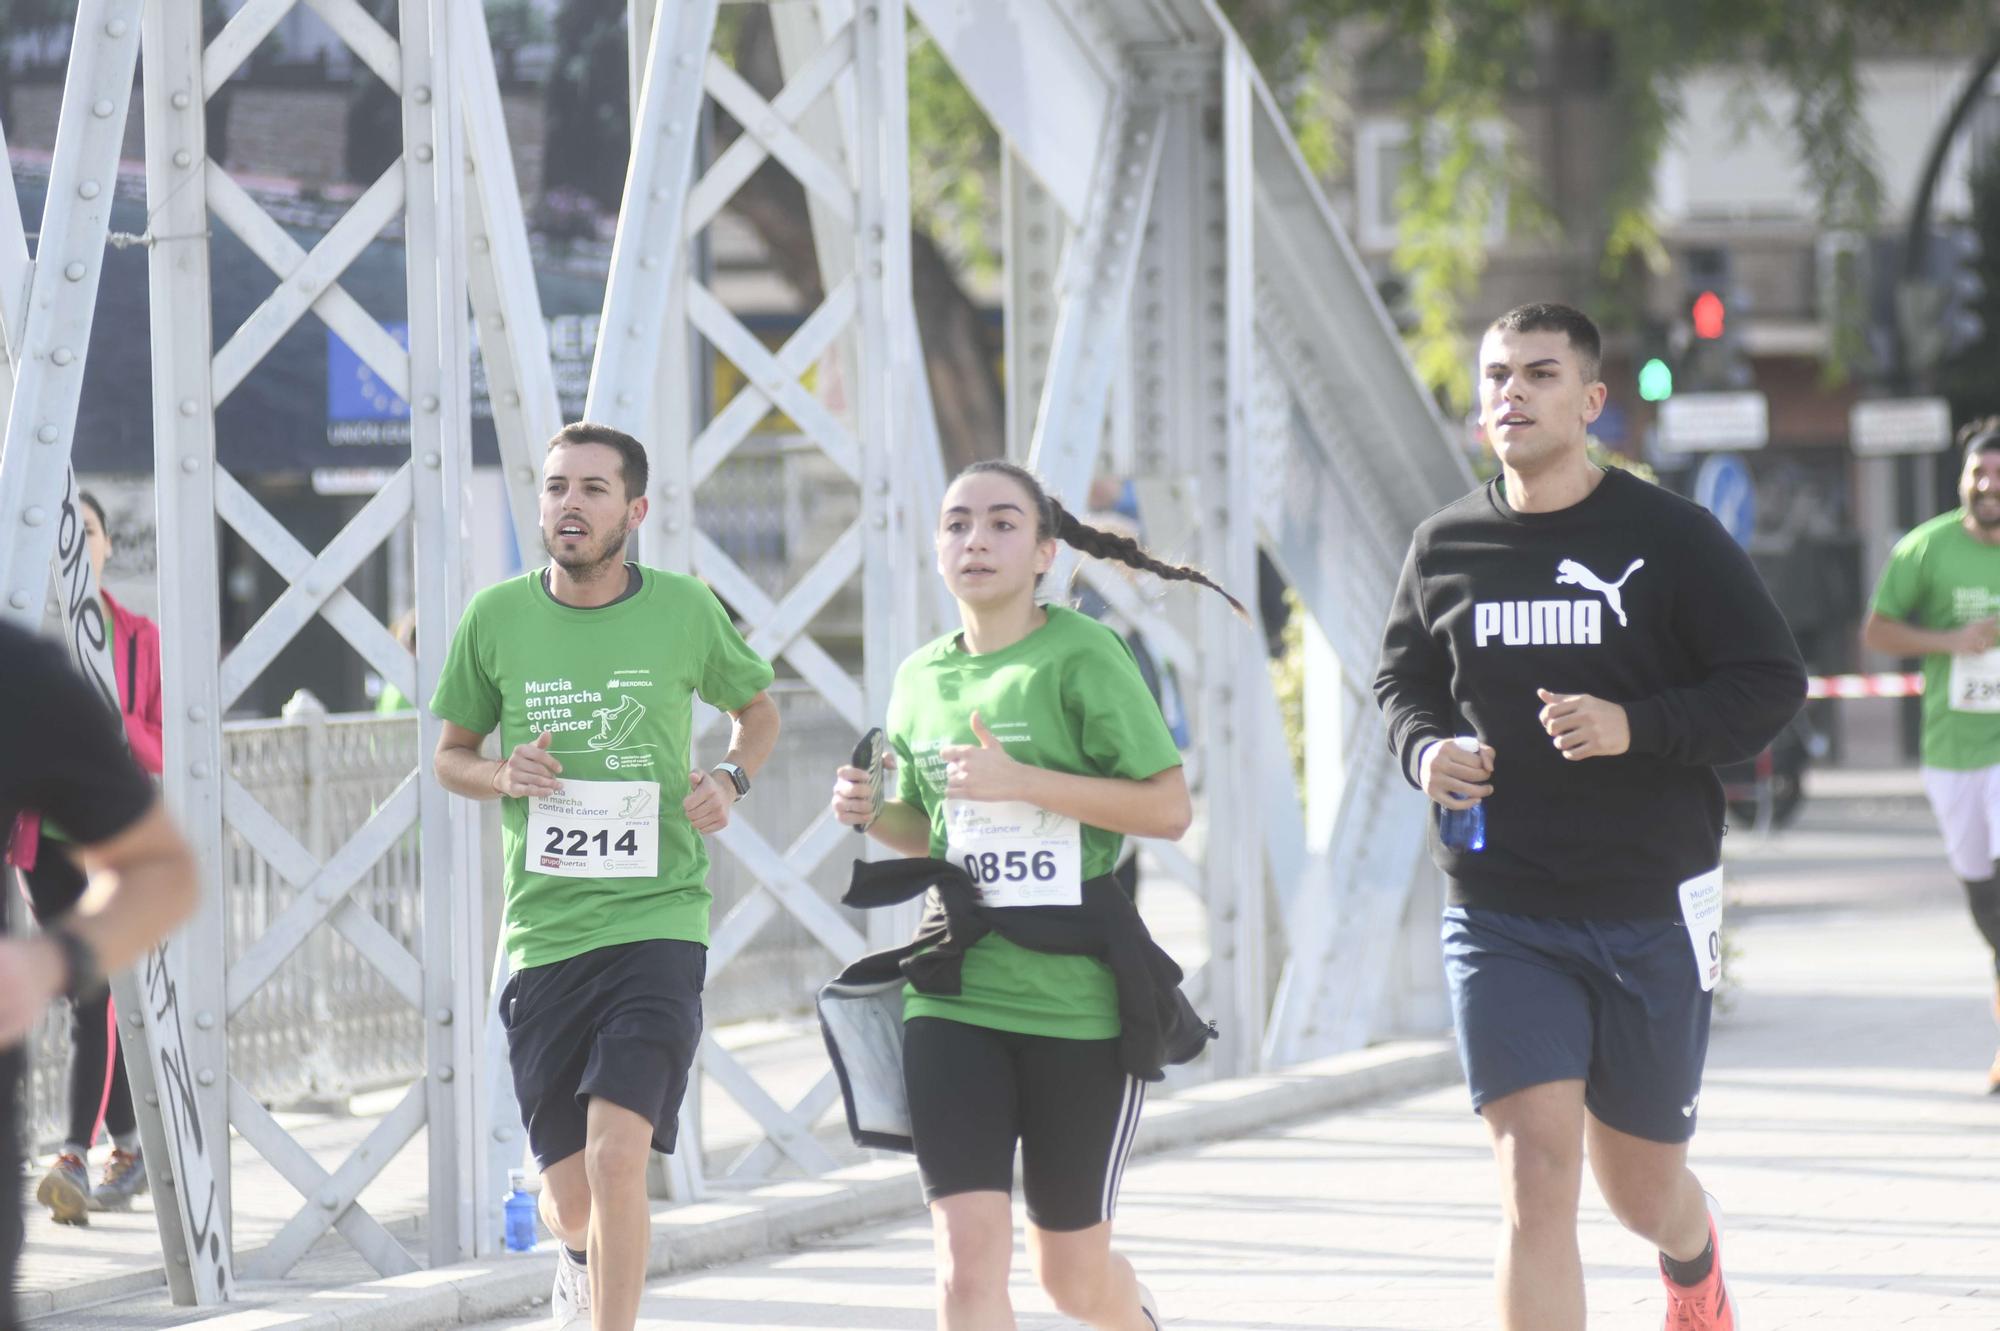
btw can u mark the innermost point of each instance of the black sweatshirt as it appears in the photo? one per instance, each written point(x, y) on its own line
point(1633, 595)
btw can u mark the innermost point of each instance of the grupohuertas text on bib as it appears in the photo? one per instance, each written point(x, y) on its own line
point(596, 829)
point(1018, 854)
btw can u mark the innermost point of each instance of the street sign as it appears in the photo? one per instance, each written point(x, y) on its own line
point(1885, 426)
point(1725, 488)
point(1714, 422)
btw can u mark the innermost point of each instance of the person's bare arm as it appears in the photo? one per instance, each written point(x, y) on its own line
point(142, 886)
point(461, 769)
point(753, 733)
point(1893, 636)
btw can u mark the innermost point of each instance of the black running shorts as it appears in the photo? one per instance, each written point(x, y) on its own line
point(974, 1092)
point(621, 1022)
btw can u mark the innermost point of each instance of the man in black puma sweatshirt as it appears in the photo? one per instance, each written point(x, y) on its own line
point(1607, 644)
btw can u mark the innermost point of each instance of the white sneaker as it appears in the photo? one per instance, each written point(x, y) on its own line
point(1150, 1306)
point(569, 1301)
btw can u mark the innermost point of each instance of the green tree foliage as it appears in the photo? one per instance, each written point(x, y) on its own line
point(1467, 59)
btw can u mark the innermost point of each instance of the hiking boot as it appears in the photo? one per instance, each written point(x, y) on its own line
point(1708, 1305)
point(65, 1190)
point(124, 1178)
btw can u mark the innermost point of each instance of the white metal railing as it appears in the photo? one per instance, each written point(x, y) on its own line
point(329, 1025)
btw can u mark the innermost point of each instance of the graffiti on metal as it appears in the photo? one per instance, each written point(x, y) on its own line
point(86, 629)
point(176, 1085)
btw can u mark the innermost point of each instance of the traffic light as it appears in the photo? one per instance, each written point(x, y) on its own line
point(1656, 380)
point(1715, 358)
point(1955, 259)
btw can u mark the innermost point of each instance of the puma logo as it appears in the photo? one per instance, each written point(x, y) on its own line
point(1572, 574)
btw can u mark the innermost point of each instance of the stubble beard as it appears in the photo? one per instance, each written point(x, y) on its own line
point(591, 565)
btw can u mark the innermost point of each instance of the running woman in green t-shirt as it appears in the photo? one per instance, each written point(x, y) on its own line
point(1939, 598)
point(588, 668)
point(1028, 741)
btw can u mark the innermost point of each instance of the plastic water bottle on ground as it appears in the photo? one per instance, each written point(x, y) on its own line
point(519, 1235)
point(1464, 830)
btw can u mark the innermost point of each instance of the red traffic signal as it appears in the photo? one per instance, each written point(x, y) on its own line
point(1708, 316)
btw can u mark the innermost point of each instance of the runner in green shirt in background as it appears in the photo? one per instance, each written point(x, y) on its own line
point(588, 668)
point(1027, 748)
point(1939, 598)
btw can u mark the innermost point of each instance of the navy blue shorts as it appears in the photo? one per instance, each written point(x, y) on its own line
point(622, 1022)
point(1615, 1003)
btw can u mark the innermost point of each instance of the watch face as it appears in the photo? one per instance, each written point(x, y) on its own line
point(736, 778)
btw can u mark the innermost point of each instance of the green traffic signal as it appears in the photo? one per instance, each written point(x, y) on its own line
point(1656, 380)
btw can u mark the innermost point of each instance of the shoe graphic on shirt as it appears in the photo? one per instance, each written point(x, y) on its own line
point(1569, 573)
point(614, 724)
point(1708, 1305)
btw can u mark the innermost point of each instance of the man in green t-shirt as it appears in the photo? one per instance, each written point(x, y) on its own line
point(588, 668)
point(1939, 598)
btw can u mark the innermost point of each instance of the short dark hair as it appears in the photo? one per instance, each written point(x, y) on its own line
point(1979, 436)
point(1545, 316)
point(631, 453)
point(89, 500)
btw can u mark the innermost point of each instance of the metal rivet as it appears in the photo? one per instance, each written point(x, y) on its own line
point(102, 108)
point(657, 195)
point(88, 189)
point(684, 60)
point(430, 402)
point(19, 600)
point(181, 1257)
point(199, 771)
point(35, 515)
point(481, 245)
point(881, 523)
point(513, 399)
point(62, 355)
point(525, 476)
point(445, 1073)
point(501, 1134)
point(189, 406)
point(48, 434)
point(422, 94)
point(74, 271)
point(190, 465)
point(206, 1076)
point(116, 28)
point(330, 1200)
point(670, 492)
point(647, 261)
point(672, 525)
point(624, 399)
point(197, 714)
point(183, 159)
point(423, 152)
point(205, 1020)
point(431, 460)
point(443, 1016)
point(324, 893)
point(181, 101)
point(673, 128)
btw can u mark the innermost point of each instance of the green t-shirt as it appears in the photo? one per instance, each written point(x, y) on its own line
point(1068, 697)
point(1940, 577)
point(614, 686)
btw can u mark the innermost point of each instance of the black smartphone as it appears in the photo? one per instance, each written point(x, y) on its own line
point(868, 757)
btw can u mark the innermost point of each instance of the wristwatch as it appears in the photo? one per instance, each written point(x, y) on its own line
point(737, 778)
point(83, 977)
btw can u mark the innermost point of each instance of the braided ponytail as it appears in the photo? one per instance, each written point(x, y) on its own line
point(1054, 522)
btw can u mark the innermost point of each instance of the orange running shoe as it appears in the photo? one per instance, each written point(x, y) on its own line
point(1707, 1306)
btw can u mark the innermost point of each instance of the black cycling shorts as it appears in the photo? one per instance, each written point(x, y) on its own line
point(975, 1092)
point(622, 1022)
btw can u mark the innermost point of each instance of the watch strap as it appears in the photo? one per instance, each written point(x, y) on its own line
point(737, 778)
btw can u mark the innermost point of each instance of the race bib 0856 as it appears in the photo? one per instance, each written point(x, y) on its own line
point(1018, 854)
point(596, 829)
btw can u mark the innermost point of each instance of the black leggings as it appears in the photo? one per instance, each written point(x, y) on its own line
point(1984, 899)
point(54, 885)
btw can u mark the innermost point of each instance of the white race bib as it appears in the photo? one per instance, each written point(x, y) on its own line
point(1018, 854)
point(1701, 911)
point(1975, 682)
point(596, 829)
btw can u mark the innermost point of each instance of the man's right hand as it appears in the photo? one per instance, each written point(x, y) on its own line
point(529, 770)
point(853, 803)
point(1454, 778)
point(1976, 637)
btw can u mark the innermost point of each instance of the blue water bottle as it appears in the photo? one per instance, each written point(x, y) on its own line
point(519, 1235)
point(1463, 829)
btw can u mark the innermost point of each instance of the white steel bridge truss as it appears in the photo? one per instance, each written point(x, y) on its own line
point(1178, 290)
